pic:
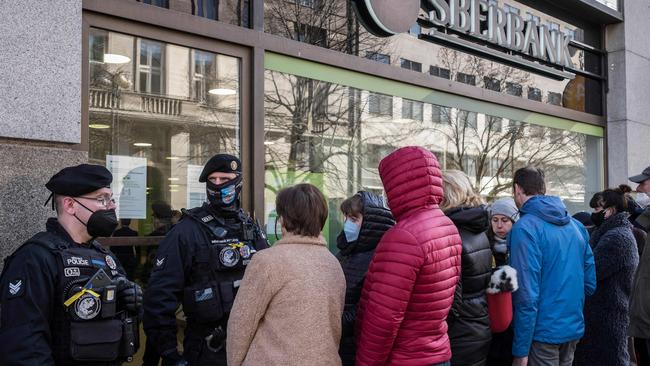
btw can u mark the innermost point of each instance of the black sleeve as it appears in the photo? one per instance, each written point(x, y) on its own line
point(165, 289)
point(261, 242)
point(27, 293)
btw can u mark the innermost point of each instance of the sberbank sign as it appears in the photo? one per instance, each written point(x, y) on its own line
point(478, 20)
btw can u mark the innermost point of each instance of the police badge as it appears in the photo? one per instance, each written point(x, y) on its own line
point(87, 307)
point(110, 262)
point(229, 256)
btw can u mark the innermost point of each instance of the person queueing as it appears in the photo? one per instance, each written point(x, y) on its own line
point(469, 324)
point(503, 215)
point(366, 220)
point(200, 264)
point(65, 300)
point(607, 312)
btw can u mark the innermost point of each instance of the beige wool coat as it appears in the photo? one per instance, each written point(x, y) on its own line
point(288, 307)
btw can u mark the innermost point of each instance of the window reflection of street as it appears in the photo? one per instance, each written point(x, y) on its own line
point(334, 137)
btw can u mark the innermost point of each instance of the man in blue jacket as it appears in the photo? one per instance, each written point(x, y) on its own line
point(555, 268)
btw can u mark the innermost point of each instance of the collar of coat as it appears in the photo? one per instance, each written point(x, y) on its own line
point(290, 238)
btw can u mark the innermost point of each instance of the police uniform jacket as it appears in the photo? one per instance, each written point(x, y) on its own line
point(31, 298)
point(189, 270)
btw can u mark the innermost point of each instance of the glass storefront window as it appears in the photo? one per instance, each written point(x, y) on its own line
point(234, 12)
point(334, 25)
point(157, 113)
point(340, 152)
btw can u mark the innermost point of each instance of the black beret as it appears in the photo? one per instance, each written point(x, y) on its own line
point(224, 163)
point(78, 180)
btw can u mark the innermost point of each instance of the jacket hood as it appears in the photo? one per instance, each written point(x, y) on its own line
point(412, 180)
point(377, 219)
point(548, 208)
point(473, 219)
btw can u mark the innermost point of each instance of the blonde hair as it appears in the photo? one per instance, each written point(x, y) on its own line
point(458, 191)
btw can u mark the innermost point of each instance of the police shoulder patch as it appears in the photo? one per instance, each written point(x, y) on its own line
point(16, 288)
point(160, 263)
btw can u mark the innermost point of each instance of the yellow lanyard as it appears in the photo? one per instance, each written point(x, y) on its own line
point(76, 296)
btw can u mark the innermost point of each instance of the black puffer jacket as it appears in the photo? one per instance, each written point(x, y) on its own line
point(469, 325)
point(355, 258)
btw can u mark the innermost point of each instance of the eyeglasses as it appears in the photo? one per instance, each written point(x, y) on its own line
point(104, 201)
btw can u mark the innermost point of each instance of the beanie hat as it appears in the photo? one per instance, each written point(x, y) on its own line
point(506, 207)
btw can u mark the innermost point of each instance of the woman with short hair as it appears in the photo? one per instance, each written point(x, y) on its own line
point(469, 324)
point(289, 305)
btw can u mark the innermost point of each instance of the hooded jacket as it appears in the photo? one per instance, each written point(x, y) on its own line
point(555, 269)
point(606, 312)
point(355, 258)
point(409, 288)
point(469, 324)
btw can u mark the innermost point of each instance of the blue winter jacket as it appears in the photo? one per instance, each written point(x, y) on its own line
point(555, 268)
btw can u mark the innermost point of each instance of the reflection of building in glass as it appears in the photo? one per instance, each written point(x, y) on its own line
point(332, 24)
point(172, 105)
point(343, 157)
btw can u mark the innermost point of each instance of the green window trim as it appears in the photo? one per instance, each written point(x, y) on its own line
point(317, 71)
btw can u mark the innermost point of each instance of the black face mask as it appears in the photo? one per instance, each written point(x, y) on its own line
point(598, 217)
point(224, 195)
point(100, 223)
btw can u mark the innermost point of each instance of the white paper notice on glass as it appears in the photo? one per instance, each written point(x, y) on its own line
point(129, 185)
point(195, 191)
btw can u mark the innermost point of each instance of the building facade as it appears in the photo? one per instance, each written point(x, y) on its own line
point(303, 92)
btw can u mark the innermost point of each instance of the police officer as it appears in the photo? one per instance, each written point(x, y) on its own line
point(64, 299)
point(200, 264)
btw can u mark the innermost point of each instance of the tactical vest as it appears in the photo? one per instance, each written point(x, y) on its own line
point(217, 269)
point(87, 327)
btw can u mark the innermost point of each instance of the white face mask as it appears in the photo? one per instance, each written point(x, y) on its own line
point(642, 199)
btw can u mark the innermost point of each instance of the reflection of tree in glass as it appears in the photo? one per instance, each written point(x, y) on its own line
point(331, 24)
point(313, 123)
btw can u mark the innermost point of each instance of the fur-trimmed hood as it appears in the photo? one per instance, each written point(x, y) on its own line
point(503, 279)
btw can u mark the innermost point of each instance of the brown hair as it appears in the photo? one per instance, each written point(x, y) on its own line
point(531, 180)
point(303, 209)
point(615, 197)
point(352, 206)
point(458, 191)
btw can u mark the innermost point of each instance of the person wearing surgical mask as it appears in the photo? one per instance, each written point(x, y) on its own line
point(606, 312)
point(366, 220)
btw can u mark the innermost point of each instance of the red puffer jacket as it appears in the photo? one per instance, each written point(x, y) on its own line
point(409, 288)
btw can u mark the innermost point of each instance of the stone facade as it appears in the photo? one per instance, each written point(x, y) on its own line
point(628, 110)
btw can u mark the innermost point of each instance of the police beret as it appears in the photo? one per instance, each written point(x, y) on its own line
point(78, 180)
point(224, 163)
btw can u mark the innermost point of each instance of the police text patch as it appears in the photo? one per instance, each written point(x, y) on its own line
point(71, 272)
point(75, 260)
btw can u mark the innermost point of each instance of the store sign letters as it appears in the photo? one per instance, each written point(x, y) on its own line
point(478, 19)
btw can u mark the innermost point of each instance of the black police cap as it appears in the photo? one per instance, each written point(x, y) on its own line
point(78, 180)
point(223, 163)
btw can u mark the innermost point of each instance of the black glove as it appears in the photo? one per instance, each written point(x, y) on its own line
point(129, 295)
point(172, 358)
